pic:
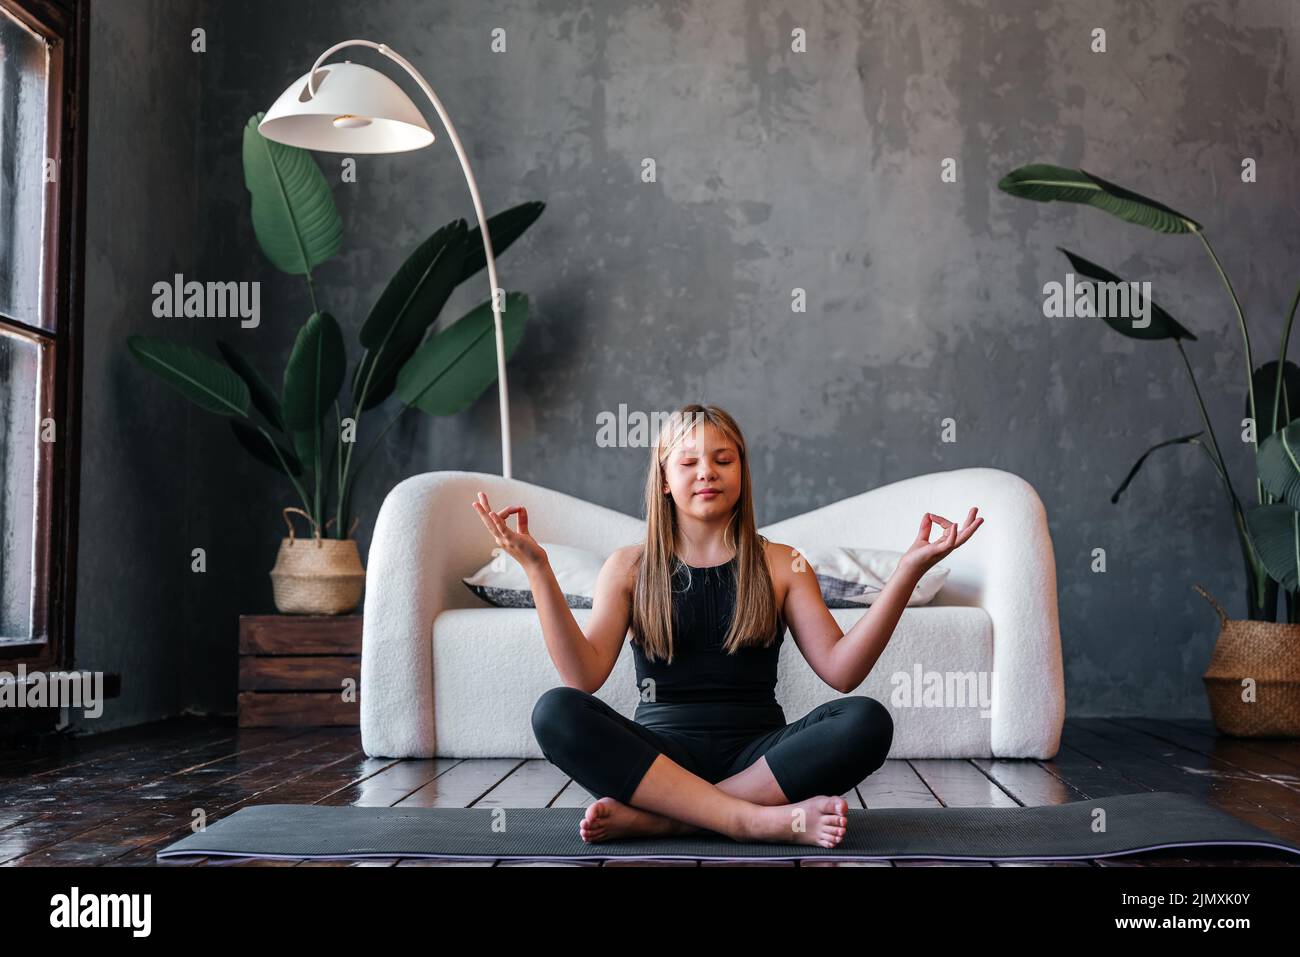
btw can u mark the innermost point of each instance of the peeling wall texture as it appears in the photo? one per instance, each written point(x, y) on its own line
point(775, 170)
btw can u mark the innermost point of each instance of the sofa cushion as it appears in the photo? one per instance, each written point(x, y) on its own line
point(504, 583)
point(852, 577)
point(849, 577)
point(490, 665)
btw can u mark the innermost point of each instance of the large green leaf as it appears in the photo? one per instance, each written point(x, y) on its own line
point(454, 367)
point(407, 308)
point(1275, 530)
point(1161, 325)
point(294, 216)
point(1278, 462)
point(314, 373)
point(413, 289)
point(1265, 381)
point(264, 397)
point(312, 379)
point(1043, 183)
point(504, 228)
point(306, 443)
point(205, 381)
point(256, 443)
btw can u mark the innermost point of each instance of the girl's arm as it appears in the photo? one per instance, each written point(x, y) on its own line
point(844, 659)
point(584, 661)
point(856, 653)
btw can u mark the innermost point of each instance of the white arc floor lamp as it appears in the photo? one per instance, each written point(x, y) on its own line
point(349, 108)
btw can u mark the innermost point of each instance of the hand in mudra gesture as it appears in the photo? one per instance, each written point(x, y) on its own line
point(519, 545)
point(925, 554)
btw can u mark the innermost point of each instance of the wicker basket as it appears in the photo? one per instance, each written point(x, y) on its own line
point(1267, 652)
point(317, 577)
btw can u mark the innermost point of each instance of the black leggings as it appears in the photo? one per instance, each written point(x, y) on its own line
point(827, 751)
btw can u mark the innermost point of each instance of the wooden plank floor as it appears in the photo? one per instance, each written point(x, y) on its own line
point(117, 798)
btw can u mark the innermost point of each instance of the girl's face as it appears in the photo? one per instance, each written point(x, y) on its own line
point(704, 460)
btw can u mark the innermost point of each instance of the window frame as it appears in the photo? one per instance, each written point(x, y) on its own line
point(65, 25)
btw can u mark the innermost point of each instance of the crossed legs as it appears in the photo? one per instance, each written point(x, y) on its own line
point(646, 783)
point(747, 806)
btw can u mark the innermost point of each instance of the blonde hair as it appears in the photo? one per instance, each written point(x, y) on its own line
point(755, 617)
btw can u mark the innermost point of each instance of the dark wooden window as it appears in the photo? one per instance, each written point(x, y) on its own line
point(42, 216)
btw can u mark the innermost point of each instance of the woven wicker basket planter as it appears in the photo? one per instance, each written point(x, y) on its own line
point(1266, 652)
point(318, 576)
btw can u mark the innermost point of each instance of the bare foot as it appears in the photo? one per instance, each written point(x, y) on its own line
point(610, 819)
point(821, 821)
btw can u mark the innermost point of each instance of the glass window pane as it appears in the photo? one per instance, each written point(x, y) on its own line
point(20, 371)
point(24, 78)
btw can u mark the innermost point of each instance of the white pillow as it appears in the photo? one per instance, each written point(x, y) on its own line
point(848, 577)
point(503, 581)
point(853, 577)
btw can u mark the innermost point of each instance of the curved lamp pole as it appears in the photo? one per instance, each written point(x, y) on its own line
point(350, 108)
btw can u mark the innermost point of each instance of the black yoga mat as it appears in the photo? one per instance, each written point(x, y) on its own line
point(1101, 827)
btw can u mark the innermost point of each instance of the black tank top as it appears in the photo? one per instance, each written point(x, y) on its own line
point(703, 602)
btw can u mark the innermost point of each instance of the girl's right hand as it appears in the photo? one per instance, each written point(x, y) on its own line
point(924, 554)
point(519, 545)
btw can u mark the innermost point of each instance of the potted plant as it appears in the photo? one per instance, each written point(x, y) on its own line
point(298, 227)
point(1253, 681)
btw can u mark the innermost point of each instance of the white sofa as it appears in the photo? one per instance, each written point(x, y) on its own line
point(444, 674)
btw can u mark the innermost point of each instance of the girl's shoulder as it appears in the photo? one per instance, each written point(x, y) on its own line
point(624, 561)
point(618, 574)
point(778, 553)
point(781, 559)
point(628, 555)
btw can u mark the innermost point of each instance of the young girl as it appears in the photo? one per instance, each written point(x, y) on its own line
point(708, 599)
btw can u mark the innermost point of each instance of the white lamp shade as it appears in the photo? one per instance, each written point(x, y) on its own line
point(355, 110)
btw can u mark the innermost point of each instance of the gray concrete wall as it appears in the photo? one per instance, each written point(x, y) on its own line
point(133, 613)
point(775, 170)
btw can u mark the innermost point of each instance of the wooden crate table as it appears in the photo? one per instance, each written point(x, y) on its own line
point(293, 671)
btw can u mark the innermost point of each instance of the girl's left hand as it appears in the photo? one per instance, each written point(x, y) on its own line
point(925, 554)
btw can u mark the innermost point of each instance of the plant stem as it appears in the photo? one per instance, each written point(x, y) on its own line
point(347, 496)
point(375, 444)
point(318, 513)
point(1238, 515)
point(357, 402)
point(1245, 337)
point(1243, 536)
point(1209, 429)
point(328, 464)
point(1292, 604)
point(338, 510)
point(296, 484)
point(311, 291)
point(1281, 361)
point(1213, 461)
